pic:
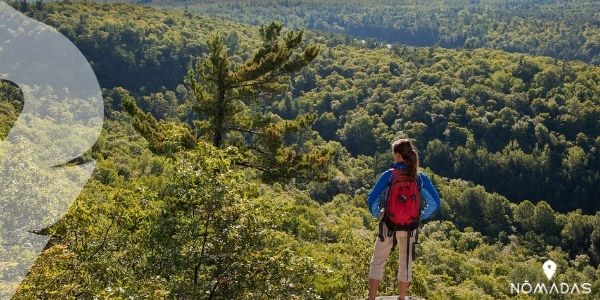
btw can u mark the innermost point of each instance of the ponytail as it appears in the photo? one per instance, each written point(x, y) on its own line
point(407, 150)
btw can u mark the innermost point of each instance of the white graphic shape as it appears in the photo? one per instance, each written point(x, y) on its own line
point(549, 269)
point(61, 120)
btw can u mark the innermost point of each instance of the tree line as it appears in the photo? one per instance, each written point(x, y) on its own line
point(565, 30)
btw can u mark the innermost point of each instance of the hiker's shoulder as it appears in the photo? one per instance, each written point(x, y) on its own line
point(384, 176)
point(423, 178)
point(387, 172)
point(422, 175)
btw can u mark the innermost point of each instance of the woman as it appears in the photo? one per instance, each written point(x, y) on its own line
point(406, 166)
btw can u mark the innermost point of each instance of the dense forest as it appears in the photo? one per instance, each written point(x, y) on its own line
point(511, 141)
point(561, 29)
point(483, 114)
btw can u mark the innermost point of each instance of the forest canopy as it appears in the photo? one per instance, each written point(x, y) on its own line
point(477, 114)
point(562, 29)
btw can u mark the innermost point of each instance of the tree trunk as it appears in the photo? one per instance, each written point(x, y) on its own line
point(220, 118)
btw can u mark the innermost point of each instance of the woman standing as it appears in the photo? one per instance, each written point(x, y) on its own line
point(395, 201)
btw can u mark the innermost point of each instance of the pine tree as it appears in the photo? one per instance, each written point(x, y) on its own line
point(223, 91)
point(233, 104)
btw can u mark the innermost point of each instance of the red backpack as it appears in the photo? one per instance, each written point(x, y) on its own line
point(403, 204)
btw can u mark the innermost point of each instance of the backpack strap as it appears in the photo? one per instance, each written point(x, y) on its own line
point(394, 241)
point(380, 234)
point(408, 237)
point(414, 250)
point(391, 231)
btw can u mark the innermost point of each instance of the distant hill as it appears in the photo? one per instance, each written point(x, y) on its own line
point(561, 29)
point(147, 50)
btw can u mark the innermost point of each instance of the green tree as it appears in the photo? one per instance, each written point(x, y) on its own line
point(223, 91)
point(232, 103)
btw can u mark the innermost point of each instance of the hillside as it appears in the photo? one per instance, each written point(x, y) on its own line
point(145, 51)
point(561, 29)
point(478, 115)
point(194, 225)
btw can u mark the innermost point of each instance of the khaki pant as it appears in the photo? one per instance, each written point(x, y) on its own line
point(383, 249)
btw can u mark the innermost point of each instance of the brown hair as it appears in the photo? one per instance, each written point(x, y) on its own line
point(407, 150)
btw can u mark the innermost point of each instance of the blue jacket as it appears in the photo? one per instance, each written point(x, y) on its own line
point(428, 192)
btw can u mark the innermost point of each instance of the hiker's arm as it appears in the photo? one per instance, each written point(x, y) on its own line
point(373, 201)
point(431, 196)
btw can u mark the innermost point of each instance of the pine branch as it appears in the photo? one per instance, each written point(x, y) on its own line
point(236, 128)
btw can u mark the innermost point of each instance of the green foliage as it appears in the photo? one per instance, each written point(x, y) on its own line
point(231, 99)
point(516, 117)
point(140, 49)
point(489, 115)
point(168, 215)
point(551, 28)
point(11, 103)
